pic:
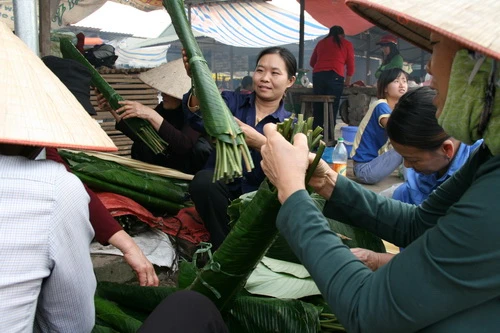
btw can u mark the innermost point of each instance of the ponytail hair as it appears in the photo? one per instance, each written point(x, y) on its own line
point(335, 32)
point(413, 121)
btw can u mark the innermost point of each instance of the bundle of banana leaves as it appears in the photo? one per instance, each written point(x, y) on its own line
point(224, 276)
point(230, 145)
point(250, 237)
point(140, 127)
point(159, 194)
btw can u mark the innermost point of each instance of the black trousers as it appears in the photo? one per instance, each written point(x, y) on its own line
point(211, 201)
point(185, 312)
point(327, 83)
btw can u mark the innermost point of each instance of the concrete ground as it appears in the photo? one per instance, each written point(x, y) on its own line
point(114, 268)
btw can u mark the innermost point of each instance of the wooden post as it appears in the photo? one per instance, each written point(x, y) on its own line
point(44, 28)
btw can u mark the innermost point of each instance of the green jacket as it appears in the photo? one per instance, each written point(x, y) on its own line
point(396, 62)
point(446, 280)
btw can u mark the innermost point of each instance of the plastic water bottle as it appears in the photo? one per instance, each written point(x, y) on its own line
point(339, 158)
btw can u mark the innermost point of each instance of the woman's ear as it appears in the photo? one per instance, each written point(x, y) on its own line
point(291, 81)
point(449, 148)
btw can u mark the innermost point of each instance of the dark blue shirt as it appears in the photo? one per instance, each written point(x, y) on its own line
point(242, 106)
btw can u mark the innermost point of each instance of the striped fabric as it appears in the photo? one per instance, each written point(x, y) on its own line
point(252, 24)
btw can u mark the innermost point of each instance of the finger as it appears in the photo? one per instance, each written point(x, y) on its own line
point(143, 277)
point(270, 129)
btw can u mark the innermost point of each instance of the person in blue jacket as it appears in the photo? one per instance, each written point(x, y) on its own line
point(274, 73)
point(430, 155)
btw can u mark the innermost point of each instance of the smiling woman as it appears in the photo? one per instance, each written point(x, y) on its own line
point(274, 73)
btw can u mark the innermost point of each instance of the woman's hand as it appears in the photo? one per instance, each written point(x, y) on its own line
point(253, 138)
point(134, 256)
point(131, 109)
point(323, 179)
point(104, 105)
point(372, 260)
point(283, 163)
point(186, 62)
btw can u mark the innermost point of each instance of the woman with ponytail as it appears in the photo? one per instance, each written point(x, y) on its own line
point(330, 58)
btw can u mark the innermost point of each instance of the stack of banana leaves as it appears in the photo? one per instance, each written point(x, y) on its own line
point(160, 195)
point(253, 278)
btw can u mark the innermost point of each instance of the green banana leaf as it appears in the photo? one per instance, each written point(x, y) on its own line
point(280, 280)
point(103, 329)
point(142, 128)
point(230, 144)
point(111, 313)
point(226, 274)
point(250, 314)
point(171, 189)
point(142, 299)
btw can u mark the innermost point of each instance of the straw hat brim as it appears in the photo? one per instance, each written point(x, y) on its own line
point(37, 108)
point(169, 78)
point(472, 23)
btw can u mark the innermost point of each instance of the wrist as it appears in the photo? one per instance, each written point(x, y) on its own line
point(285, 192)
point(192, 108)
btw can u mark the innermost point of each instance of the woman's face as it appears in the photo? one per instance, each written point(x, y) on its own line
point(386, 50)
point(439, 66)
point(270, 79)
point(397, 88)
point(422, 161)
point(170, 102)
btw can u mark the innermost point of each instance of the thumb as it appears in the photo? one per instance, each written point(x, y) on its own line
point(269, 129)
point(300, 141)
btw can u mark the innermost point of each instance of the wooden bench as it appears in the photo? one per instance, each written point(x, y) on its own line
point(130, 87)
point(328, 120)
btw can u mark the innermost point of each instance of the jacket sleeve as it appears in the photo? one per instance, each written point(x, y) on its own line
point(314, 58)
point(179, 141)
point(350, 63)
point(431, 282)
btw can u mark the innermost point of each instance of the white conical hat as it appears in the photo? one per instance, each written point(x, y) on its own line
point(473, 23)
point(37, 109)
point(169, 78)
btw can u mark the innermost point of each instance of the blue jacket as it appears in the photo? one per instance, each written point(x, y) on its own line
point(418, 186)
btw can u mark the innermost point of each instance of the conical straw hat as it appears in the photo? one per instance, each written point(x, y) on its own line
point(473, 23)
point(169, 78)
point(37, 109)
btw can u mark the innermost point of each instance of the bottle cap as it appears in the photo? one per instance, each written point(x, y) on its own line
point(340, 140)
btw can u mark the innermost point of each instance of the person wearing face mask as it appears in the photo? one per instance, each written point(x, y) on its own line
point(372, 163)
point(448, 277)
point(391, 56)
point(430, 155)
point(187, 149)
point(274, 73)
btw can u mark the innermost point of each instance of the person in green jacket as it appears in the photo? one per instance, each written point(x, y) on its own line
point(392, 57)
point(448, 277)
